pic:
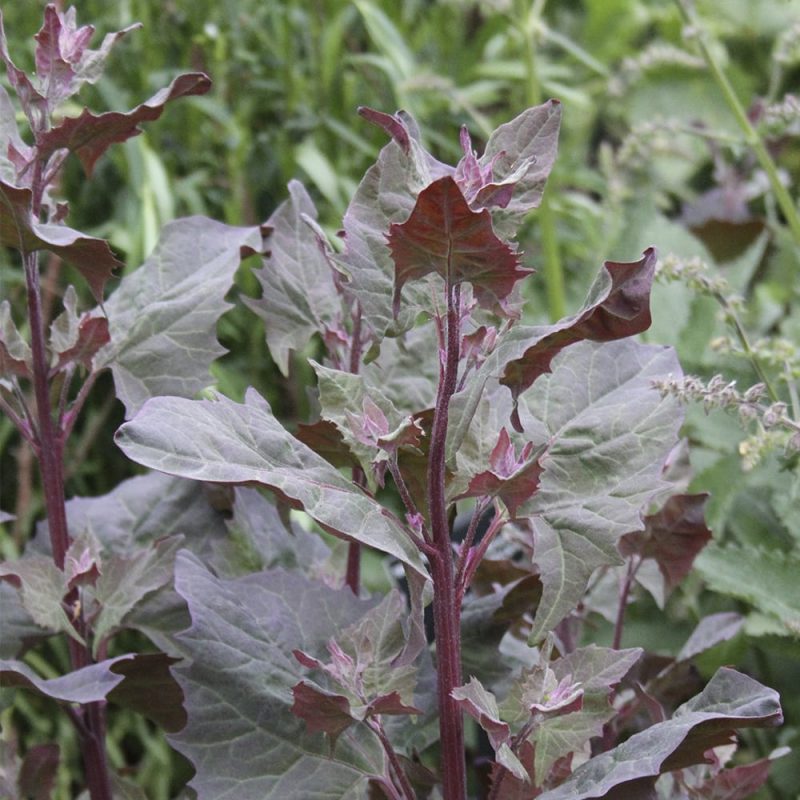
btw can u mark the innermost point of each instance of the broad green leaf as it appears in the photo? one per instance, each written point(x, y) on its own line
point(20, 230)
point(299, 297)
point(608, 434)
point(765, 578)
point(163, 316)
point(241, 735)
point(729, 701)
point(219, 440)
point(86, 685)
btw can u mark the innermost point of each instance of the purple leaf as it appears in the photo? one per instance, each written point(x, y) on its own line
point(90, 135)
point(299, 296)
point(673, 536)
point(445, 237)
point(163, 316)
point(18, 229)
point(86, 685)
point(237, 679)
point(481, 705)
point(618, 306)
point(730, 701)
point(710, 631)
point(512, 478)
point(393, 124)
point(37, 775)
point(15, 354)
point(608, 436)
point(226, 442)
point(386, 195)
point(148, 688)
point(323, 712)
point(737, 783)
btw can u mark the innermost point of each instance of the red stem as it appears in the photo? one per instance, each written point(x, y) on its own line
point(624, 592)
point(446, 615)
point(353, 574)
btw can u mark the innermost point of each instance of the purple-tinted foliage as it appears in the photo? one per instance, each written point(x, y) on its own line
point(276, 675)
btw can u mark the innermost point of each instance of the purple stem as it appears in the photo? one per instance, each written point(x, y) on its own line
point(353, 573)
point(446, 615)
point(624, 592)
point(406, 790)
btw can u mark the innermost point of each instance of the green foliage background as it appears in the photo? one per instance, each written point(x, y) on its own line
point(650, 154)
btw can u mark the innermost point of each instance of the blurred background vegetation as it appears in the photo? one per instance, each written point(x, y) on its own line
point(652, 152)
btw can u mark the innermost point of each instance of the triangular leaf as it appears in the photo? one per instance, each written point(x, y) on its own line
point(299, 297)
point(608, 436)
point(618, 306)
point(231, 443)
point(673, 536)
point(730, 701)
point(444, 236)
point(90, 135)
point(163, 316)
point(241, 735)
point(18, 229)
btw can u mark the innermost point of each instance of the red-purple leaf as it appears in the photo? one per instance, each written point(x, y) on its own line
point(322, 711)
point(672, 536)
point(37, 775)
point(513, 479)
point(481, 705)
point(18, 229)
point(737, 783)
point(392, 704)
point(149, 688)
point(90, 135)
point(92, 335)
point(393, 124)
point(618, 306)
point(445, 236)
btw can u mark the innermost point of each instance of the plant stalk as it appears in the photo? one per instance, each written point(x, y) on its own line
point(50, 453)
point(446, 616)
point(353, 571)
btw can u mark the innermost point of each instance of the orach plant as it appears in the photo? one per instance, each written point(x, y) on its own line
point(278, 676)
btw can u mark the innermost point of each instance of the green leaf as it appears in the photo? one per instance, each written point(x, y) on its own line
point(163, 316)
point(241, 735)
point(227, 442)
point(299, 297)
point(765, 578)
point(729, 701)
point(608, 434)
